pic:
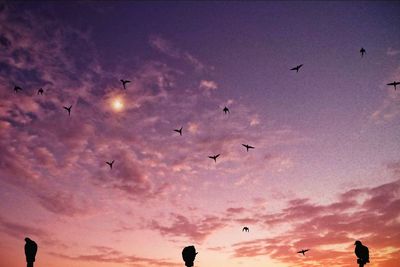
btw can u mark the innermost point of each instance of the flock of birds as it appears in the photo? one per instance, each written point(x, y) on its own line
point(225, 111)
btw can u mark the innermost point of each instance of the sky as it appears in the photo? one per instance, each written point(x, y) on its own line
point(324, 171)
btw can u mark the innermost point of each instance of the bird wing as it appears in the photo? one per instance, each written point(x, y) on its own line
point(299, 66)
point(244, 145)
point(211, 157)
point(295, 68)
point(390, 83)
point(127, 81)
point(250, 146)
point(216, 156)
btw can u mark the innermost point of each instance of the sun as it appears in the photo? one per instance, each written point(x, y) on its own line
point(117, 104)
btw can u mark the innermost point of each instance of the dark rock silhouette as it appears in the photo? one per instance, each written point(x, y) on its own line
point(245, 229)
point(189, 254)
point(179, 130)
point(362, 253)
point(68, 109)
point(394, 84)
point(40, 91)
point(248, 147)
point(303, 251)
point(297, 68)
point(362, 51)
point(124, 82)
point(30, 251)
point(214, 157)
point(226, 110)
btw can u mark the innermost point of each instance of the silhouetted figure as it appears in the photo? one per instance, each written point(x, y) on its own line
point(68, 109)
point(30, 251)
point(245, 229)
point(226, 110)
point(124, 82)
point(179, 131)
point(214, 157)
point(362, 253)
point(362, 51)
point(40, 91)
point(188, 255)
point(297, 68)
point(303, 251)
point(17, 88)
point(394, 84)
point(110, 164)
point(247, 147)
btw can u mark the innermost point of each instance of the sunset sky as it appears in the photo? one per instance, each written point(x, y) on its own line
point(325, 170)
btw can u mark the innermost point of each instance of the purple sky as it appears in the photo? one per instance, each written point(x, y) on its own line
point(326, 138)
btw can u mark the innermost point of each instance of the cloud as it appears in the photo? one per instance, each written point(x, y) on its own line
point(196, 229)
point(208, 85)
point(330, 230)
point(109, 255)
point(167, 47)
point(392, 52)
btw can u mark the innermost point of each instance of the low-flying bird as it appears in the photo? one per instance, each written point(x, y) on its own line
point(124, 82)
point(303, 251)
point(17, 88)
point(362, 253)
point(68, 109)
point(245, 229)
point(297, 68)
point(362, 51)
point(394, 84)
point(214, 157)
point(247, 147)
point(226, 110)
point(179, 131)
point(110, 164)
point(40, 91)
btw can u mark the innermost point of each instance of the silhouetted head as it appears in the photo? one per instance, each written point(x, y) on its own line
point(188, 255)
point(357, 243)
point(27, 239)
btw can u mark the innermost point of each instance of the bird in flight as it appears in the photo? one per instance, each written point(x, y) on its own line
point(214, 157)
point(245, 229)
point(68, 109)
point(110, 164)
point(297, 68)
point(247, 147)
point(394, 84)
point(303, 251)
point(124, 82)
point(40, 91)
point(179, 131)
point(226, 110)
point(362, 51)
point(17, 88)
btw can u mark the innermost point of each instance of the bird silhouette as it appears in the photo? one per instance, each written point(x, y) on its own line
point(68, 109)
point(303, 251)
point(40, 91)
point(17, 88)
point(226, 110)
point(394, 84)
point(362, 51)
point(179, 131)
point(245, 229)
point(124, 82)
point(362, 253)
point(247, 147)
point(110, 164)
point(297, 68)
point(214, 157)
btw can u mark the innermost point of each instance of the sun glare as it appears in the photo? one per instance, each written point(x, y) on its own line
point(117, 104)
